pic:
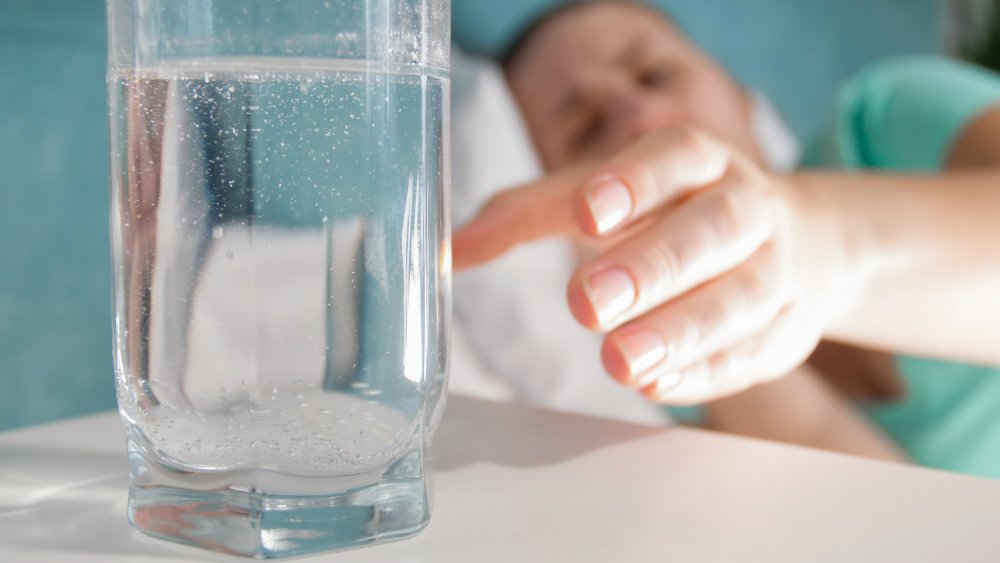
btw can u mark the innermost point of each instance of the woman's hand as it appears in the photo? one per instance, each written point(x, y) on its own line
point(721, 275)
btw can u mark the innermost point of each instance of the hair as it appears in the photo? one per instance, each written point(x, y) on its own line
point(521, 41)
point(973, 31)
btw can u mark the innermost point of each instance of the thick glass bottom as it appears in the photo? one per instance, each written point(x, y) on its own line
point(231, 512)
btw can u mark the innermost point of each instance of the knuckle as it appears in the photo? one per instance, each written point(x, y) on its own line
point(692, 331)
point(730, 216)
point(758, 288)
point(665, 267)
point(710, 321)
point(711, 158)
point(668, 159)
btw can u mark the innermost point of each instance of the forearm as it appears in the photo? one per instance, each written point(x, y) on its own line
point(922, 256)
point(801, 409)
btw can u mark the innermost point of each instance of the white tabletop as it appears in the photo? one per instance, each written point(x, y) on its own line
point(519, 484)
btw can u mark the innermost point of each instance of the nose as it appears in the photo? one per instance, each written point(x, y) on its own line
point(633, 111)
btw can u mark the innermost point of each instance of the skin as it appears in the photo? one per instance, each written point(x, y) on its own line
point(586, 93)
point(714, 275)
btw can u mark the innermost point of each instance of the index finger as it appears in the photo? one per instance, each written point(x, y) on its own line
point(539, 209)
point(659, 169)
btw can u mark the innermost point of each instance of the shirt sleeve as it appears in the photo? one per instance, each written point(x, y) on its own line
point(907, 114)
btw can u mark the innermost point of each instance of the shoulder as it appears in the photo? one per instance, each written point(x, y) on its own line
point(893, 73)
point(904, 114)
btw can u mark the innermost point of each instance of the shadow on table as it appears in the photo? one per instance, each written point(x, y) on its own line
point(74, 501)
point(477, 431)
point(56, 500)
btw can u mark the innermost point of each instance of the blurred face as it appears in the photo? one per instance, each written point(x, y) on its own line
point(596, 78)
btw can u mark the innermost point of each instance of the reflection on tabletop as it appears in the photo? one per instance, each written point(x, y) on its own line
point(71, 498)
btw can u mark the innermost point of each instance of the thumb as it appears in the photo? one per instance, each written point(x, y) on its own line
point(532, 211)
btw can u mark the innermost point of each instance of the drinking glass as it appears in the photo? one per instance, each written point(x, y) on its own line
point(281, 268)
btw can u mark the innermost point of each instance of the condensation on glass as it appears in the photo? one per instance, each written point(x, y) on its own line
point(281, 267)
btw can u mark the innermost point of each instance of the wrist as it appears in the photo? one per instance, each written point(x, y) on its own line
point(838, 251)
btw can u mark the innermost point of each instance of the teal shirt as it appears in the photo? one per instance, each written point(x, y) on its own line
point(905, 116)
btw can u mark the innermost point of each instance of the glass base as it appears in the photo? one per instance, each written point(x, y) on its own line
point(176, 506)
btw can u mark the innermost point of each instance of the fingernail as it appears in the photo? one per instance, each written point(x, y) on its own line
point(610, 203)
point(642, 350)
point(610, 292)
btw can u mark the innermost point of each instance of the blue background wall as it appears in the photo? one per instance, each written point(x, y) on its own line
point(55, 305)
point(55, 275)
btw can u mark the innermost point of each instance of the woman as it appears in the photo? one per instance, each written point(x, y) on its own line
point(714, 275)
